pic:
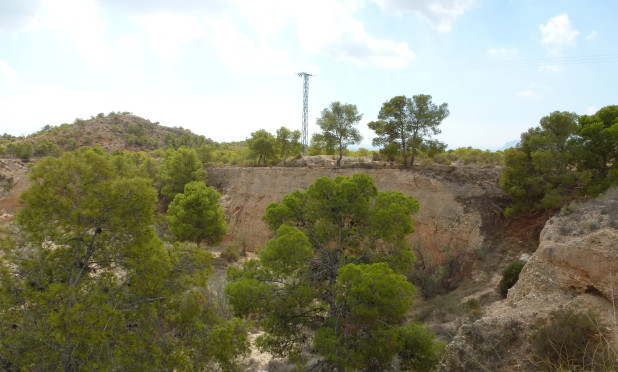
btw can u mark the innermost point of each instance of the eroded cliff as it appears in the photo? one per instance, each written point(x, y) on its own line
point(458, 207)
point(574, 267)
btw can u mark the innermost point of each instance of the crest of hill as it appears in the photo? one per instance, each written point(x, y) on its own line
point(115, 131)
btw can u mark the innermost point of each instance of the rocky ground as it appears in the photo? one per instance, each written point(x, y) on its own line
point(574, 267)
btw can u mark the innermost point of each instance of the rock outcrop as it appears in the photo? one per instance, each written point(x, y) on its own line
point(574, 266)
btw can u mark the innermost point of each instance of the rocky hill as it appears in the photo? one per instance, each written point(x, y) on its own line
point(115, 131)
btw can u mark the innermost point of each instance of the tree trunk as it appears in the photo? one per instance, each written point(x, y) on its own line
point(285, 155)
point(412, 157)
point(340, 155)
point(403, 151)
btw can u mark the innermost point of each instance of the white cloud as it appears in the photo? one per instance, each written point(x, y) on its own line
point(331, 30)
point(144, 7)
point(552, 68)
point(240, 51)
point(78, 24)
point(558, 33)
point(592, 35)
point(167, 33)
point(440, 14)
point(591, 110)
point(7, 73)
point(326, 28)
point(528, 94)
point(17, 14)
point(502, 52)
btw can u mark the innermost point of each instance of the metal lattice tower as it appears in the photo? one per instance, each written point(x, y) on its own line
point(305, 131)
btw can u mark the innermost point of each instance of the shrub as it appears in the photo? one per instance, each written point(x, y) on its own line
point(438, 271)
point(510, 275)
point(572, 341)
point(473, 309)
point(230, 254)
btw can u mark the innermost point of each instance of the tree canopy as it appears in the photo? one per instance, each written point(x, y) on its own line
point(87, 285)
point(562, 158)
point(288, 141)
point(331, 276)
point(179, 168)
point(597, 148)
point(337, 123)
point(406, 123)
point(262, 145)
point(196, 214)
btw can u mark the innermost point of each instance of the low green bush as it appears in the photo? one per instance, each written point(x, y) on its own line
point(230, 254)
point(510, 275)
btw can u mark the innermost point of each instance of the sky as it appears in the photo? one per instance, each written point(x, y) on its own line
point(225, 69)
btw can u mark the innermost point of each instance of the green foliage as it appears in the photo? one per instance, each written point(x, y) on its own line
point(230, 254)
point(183, 138)
point(337, 124)
point(370, 296)
point(468, 155)
point(179, 168)
point(437, 271)
point(432, 147)
point(136, 134)
point(89, 286)
point(46, 147)
point(322, 145)
point(361, 152)
point(510, 276)
point(597, 148)
point(288, 141)
point(196, 214)
point(262, 145)
point(572, 341)
point(420, 350)
point(204, 153)
point(406, 124)
point(561, 156)
point(25, 150)
point(332, 273)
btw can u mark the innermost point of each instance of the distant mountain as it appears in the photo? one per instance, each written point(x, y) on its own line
point(509, 145)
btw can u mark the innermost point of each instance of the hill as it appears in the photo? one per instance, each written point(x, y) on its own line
point(115, 131)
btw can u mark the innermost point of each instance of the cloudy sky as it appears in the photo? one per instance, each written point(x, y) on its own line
point(226, 68)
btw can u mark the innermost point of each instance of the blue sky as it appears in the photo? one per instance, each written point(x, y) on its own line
point(225, 69)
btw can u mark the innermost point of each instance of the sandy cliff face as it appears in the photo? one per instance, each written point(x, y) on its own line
point(574, 266)
point(450, 209)
point(577, 253)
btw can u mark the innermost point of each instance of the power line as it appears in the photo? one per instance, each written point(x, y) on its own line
point(505, 64)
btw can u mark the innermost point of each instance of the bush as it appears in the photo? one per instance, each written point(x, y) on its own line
point(510, 275)
point(438, 271)
point(230, 254)
point(572, 341)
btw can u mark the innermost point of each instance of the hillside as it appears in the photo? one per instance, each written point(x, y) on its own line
point(462, 238)
point(115, 131)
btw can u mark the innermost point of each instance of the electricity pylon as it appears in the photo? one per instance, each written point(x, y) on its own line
point(305, 131)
